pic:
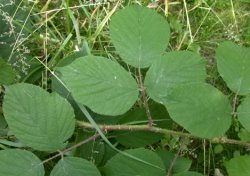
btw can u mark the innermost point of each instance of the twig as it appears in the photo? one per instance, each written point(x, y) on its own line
point(72, 147)
point(145, 101)
point(234, 113)
point(222, 140)
point(204, 156)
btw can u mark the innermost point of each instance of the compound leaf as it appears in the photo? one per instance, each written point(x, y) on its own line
point(139, 35)
point(16, 162)
point(101, 84)
point(233, 65)
point(40, 120)
point(121, 165)
point(74, 166)
point(238, 166)
point(172, 69)
point(201, 109)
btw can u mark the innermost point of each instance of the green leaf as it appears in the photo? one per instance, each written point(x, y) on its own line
point(108, 154)
point(243, 112)
point(40, 120)
point(137, 138)
point(3, 126)
point(16, 162)
point(138, 116)
point(201, 109)
point(93, 150)
point(173, 69)
point(57, 85)
point(73, 166)
point(101, 84)
point(218, 149)
point(181, 164)
point(233, 65)
point(239, 166)
point(69, 59)
point(3, 123)
point(244, 135)
point(121, 165)
point(7, 75)
point(33, 73)
point(188, 173)
point(139, 35)
point(84, 51)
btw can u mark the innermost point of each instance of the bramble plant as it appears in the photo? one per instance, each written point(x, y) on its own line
point(96, 98)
